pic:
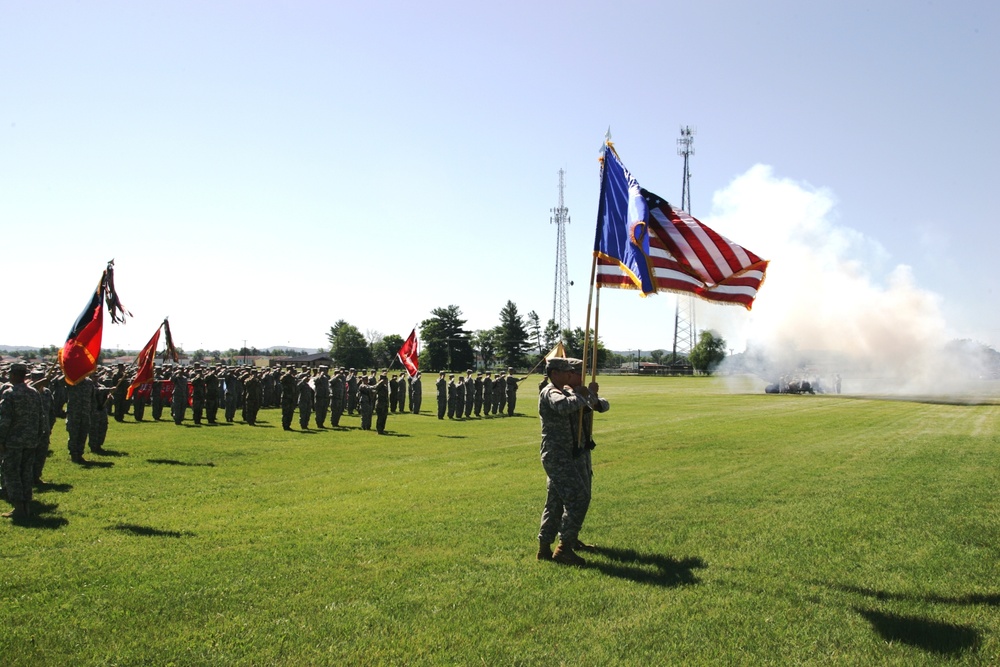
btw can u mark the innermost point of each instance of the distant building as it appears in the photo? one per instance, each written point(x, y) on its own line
point(310, 360)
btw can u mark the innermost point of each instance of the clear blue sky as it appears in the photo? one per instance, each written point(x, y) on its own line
point(259, 170)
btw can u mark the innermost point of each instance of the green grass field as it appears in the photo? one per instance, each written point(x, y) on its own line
point(734, 529)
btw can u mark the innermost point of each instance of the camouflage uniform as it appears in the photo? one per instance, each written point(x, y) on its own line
point(179, 399)
point(49, 419)
point(253, 395)
point(512, 391)
point(393, 393)
point(287, 399)
point(233, 389)
point(365, 399)
point(459, 398)
point(452, 396)
point(352, 392)
point(22, 428)
point(416, 394)
point(80, 400)
point(322, 387)
point(306, 394)
point(211, 396)
point(470, 391)
point(382, 399)
point(156, 398)
point(568, 492)
point(119, 391)
point(500, 395)
point(338, 389)
point(138, 404)
point(477, 397)
point(199, 392)
point(442, 395)
point(99, 418)
point(488, 395)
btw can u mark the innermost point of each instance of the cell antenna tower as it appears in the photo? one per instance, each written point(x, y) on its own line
point(560, 299)
point(684, 325)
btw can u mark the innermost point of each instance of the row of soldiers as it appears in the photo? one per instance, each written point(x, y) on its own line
point(477, 395)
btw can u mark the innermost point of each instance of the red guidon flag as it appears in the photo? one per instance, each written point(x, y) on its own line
point(408, 354)
point(78, 357)
point(144, 363)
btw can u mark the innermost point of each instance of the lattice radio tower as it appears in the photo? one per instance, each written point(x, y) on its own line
point(560, 299)
point(684, 324)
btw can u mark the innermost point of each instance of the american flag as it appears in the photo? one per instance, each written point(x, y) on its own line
point(645, 243)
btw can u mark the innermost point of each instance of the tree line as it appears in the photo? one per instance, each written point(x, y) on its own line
point(517, 341)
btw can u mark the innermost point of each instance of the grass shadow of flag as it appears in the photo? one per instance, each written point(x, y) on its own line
point(148, 531)
point(946, 639)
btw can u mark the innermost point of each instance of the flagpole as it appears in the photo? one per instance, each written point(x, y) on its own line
point(586, 338)
point(597, 318)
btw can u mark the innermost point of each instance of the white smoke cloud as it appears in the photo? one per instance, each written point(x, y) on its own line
point(832, 299)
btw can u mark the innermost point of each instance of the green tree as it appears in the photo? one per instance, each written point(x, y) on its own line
point(386, 348)
point(534, 324)
point(573, 342)
point(348, 347)
point(446, 342)
point(709, 352)
point(656, 355)
point(550, 336)
point(485, 340)
point(513, 338)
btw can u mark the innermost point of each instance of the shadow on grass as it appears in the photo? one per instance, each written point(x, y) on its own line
point(453, 437)
point(97, 464)
point(38, 518)
point(654, 569)
point(394, 434)
point(109, 452)
point(946, 639)
point(303, 431)
point(148, 531)
point(46, 487)
point(173, 462)
point(988, 599)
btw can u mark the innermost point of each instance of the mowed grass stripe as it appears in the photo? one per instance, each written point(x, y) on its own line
point(738, 528)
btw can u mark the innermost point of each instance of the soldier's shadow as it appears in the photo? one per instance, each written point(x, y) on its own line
point(98, 464)
point(654, 569)
point(38, 518)
point(110, 452)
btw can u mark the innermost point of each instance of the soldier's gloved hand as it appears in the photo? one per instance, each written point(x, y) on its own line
point(593, 388)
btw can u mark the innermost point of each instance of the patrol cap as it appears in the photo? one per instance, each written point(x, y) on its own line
point(18, 367)
point(567, 364)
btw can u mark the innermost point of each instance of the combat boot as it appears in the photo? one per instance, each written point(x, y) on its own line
point(564, 554)
point(544, 551)
point(21, 512)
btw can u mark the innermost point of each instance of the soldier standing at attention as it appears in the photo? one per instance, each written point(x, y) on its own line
point(470, 391)
point(366, 399)
point(306, 396)
point(233, 390)
point(393, 392)
point(568, 493)
point(179, 399)
point(119, 385)
point(252, 397)
point(512, 390)
point(416, 394)
point(442, 394)
point(198, 394)
point(352, 392)
point(40, 381)
point(288, 382)
point(477, 398)
point(211, 395)
point(321, 386)
point(156, 395)
point(99, 417)
point(487, 394)
point(338, 389)
point(403, 378)
point(452, 392)
point(22, 428)
point(80, 400)
point(459, 397)
point(382, 399)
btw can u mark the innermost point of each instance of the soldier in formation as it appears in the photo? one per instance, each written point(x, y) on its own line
point(382, 399)
point(338, 392)
point(416, 394)
point(306, 398)
point(321, 387)
point(22, 428)
point(366, 402)
point(288, 385)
